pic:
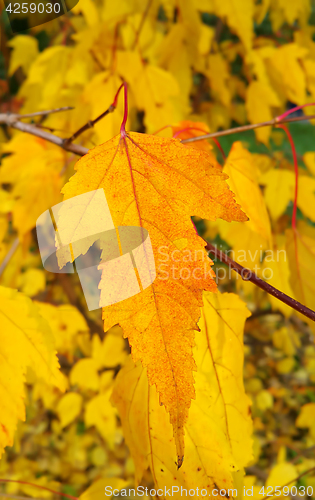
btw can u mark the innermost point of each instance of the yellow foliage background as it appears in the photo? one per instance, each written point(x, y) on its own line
point(208, 64)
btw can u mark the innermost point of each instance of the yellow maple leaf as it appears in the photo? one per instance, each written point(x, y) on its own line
point(306, 418)
point(25, 50)
point(279, 190)
point(306, 196)
point(111, 352)
point(155, 90)
point(218, 74)
point(32, 281)
point(96, 490)
point(84, 374)
point(65, 322)
point(97, 94)
point(243, 180)
point(239, 17)
point(277, 272)
point(100, 412)
point(295, 10)
point(281, 474)
point(309, 160)
point(158, 184)
point(50, 66)
point(287, 340)
point(287, 71)
point(69, 407)
point(300, 246)
point(258, 92)
point(218, 429)
point(89, 11)
point(33, 165)
point(25, 341)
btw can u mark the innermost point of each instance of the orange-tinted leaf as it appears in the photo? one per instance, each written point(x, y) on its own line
point(159, 184)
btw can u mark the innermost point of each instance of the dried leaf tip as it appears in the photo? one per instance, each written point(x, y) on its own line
point(180, 462)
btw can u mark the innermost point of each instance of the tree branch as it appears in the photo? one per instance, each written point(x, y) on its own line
point(13, 120)
point(244, 128)
point(38, 486)
point(248, 275)
point(18, 497)
point(46, 112)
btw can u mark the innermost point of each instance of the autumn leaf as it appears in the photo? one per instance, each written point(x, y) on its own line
point(69, 407)
point(158, 184)
point(281, 474)
point(300, 246)
point(192, 67)
point(277, 271)
point(218, 429)
point(288, 73)
point(307, 417)
point(280, 190)
point(33, 165)
point(309, 160)
point(100, 412)
point(96, 490)
point(243, 181)
point(239, 18)
point(26, 341)
point(293, 11)
point(25, 50)
point(66, 322)
point(258, 92)
point(245, 238)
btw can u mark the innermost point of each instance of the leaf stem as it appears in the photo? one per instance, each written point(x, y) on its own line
point(123, 124)
point(292, 110)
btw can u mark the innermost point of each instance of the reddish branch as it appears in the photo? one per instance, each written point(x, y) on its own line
point(252, 126)
point(248, 275)
point(70, 497)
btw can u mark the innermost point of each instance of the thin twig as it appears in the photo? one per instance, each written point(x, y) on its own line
point(244, 128)
point(88, 125)
point(18, 497)
point(248, 275)
point(295, 480)
point(10, 253)
point(143, 18)
point(44, 113)
point(91, 123)
point(12, 120)
point(71, 497)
